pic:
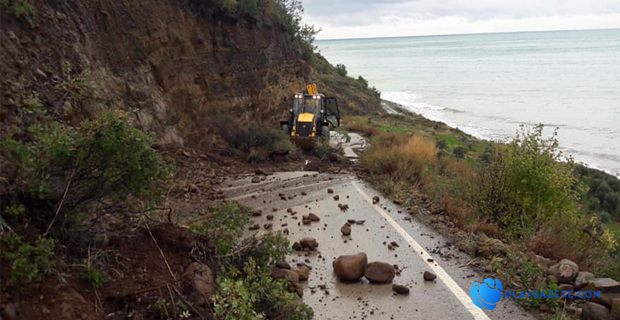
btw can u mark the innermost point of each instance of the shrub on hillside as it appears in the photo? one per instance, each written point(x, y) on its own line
point(400, 157)
point(224, 226)
point(27, 262)
point(527, 182)
point(52, 169)
point(20, 9)
point(255, 141)
point(341, 69)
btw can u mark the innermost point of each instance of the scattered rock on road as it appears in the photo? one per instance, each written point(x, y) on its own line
point(330, 190)
point(336, 197)
point(400, 289)
point(350, 267)
point(308, 243)
point(346, 229)
point(375, 199)
point(343, 207)
point(429, 276)
point(313, 217)
point(380, 272)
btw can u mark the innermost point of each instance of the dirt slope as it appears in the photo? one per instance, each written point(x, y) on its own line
point(173, 67)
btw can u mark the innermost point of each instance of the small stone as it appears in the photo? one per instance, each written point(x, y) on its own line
point(330, 190)
point(336, 197)
point(308, 243)
point(400, 289)
point(253, 227)
point(270, 217)
point(346, 229)
point(429, 276)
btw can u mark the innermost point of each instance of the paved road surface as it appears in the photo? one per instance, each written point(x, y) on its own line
point(445, 298)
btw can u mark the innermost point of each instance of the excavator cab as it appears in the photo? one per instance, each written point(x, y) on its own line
point(311, 116)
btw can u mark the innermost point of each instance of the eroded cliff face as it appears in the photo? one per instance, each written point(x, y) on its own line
point(174, 69)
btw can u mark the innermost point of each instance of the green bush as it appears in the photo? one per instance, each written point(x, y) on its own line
point(527, 182)
point(341, 69)
point(251, 293)
point(224, 226)
point(104, 159)
point(28, 262)
point(254, 141)
point(20, 9)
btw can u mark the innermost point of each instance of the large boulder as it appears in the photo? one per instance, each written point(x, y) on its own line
point(380, 272)
point(565, 271)
point(489, 247)
point(609, 288)
point(615, 309)
point(350, 267)
point(582, 279)
point(199, 283)
point(594, 311)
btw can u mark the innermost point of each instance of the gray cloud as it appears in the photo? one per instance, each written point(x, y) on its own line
point(364, 12)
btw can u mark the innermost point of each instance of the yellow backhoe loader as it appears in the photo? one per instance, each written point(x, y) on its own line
point(311, 116)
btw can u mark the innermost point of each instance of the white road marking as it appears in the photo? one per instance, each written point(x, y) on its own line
point(438, 270)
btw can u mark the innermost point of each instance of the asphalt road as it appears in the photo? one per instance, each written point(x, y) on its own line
point(304, 192)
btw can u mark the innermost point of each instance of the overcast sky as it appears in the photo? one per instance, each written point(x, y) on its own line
point(384, 18)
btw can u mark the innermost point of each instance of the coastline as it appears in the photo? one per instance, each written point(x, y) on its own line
point(395, 108)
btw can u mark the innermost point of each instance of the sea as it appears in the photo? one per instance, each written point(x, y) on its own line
point(488, 85)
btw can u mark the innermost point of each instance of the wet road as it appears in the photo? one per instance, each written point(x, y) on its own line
point(305, 192)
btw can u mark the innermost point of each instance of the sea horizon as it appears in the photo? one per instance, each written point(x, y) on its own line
point(465, 34)
point(490, 84)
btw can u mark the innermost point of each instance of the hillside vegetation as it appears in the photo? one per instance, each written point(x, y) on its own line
point(525, 192)
point(116, 118)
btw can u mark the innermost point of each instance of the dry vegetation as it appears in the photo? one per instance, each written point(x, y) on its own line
point(525, 193)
